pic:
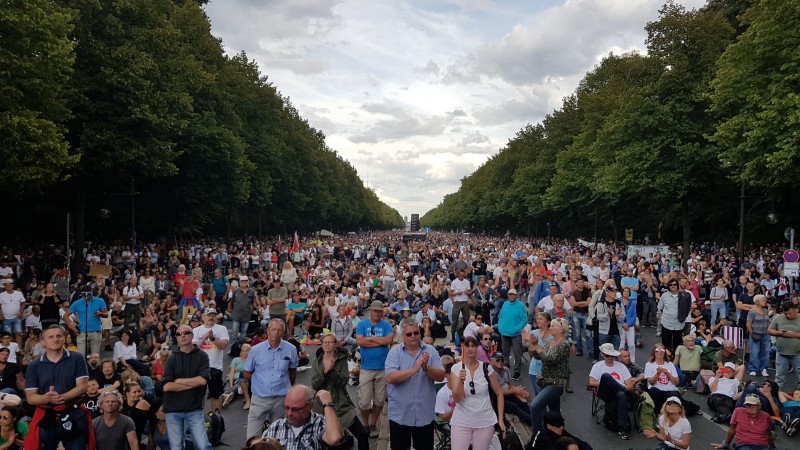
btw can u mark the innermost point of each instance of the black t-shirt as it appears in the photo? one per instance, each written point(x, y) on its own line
point(613, 328)
point(581, 296)
point(479, 268)
point(8, 376)
point(92, 404)
point(106, 382)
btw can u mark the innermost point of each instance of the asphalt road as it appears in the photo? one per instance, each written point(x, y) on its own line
point(575, 408)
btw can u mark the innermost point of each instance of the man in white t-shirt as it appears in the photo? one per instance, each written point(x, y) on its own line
point(444, 397)
point(461, 288)
point(546, 303)
point(12, 304)
point(212, 339)
point(613, 382)
point(724, 388)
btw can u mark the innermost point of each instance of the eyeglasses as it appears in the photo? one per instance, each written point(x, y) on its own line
point(472, 387)
point(5, 417)
point(412, 333)
point(486, 339)
point(479, 318)
point(295, 409)
point(183, 333)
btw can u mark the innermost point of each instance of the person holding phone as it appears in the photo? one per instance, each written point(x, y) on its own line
point(89, 309)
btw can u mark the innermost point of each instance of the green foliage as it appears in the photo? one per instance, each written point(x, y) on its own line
point(757, 95)
point(138, 94)
point(36, 57)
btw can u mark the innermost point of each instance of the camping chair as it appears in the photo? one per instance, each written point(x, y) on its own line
point(735, 335)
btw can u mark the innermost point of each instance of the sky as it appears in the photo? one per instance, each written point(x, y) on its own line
point(417, 94)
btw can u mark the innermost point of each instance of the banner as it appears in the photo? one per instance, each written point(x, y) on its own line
point(629, 235)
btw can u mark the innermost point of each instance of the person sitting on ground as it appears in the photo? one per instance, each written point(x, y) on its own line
point(552, 433)
point(750, 427)
point(662, 378)
point(318, 429)
point(236, 380)
point(687, 358)
point(724, 388)
point(637, 373)
point(445, 405)
point(674, 430)
point(790, 411)
point(613, 382)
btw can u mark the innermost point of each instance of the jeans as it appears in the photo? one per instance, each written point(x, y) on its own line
point(239, 330)
point(548, 399)
point(610, 390)
point(612, 338)
point(752, 388)
point(718, 307)
point(498, 305)
point(177, 422)
point(759, 354)
point(581, 333)
point(782, 365)
point(513, 344)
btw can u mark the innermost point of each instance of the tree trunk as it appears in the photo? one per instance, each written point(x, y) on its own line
point(80, 234)
point(687, 231)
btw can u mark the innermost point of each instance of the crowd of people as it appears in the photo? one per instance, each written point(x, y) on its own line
point(442, 328)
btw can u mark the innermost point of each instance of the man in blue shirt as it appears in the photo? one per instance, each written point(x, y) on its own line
point(89, 310)
point(411, 369)
point(513, 318)
point(271, 368)
point(374, 336)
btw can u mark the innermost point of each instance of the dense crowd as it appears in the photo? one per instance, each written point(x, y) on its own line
point(441, 327)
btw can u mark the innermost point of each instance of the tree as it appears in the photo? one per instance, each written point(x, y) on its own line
point(36, 56)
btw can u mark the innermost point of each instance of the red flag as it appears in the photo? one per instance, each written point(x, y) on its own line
point(296, 243)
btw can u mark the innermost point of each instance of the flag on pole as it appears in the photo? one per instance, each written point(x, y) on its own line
point(279, 245)
point(295, 243)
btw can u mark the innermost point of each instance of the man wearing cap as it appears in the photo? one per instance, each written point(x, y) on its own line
point(513, 318)
point(516, 397)
point(241, 309)
point(212, 339)
point(374, 336)
point(750, 426)
point(89, 310)
point(12, 305)
point(277, 297)
point(545, 439)
point(724, 388)
point(411, 370)
point(613, 382)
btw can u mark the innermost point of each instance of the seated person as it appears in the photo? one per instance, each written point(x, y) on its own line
point(444, 397)
point(395, 310)
point(727, 354)
point(553, 431)
point(427, 332)
point(724, 388)
point(662, 377)
point(687, 358)
point(476, 325)
point(767, 392)
point(750, 426)
point(295, 313)
point(613, 382)
point(637, 373)
point(790, 411)
point(516, 397)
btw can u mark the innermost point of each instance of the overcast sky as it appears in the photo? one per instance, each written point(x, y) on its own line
point(416, 94)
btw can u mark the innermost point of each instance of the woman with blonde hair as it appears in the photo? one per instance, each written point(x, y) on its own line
point(674, 430)
point(288, 276)
point(757, 324)
point(555, 372)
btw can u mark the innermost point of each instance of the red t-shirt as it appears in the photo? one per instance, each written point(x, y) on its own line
point(751, 430)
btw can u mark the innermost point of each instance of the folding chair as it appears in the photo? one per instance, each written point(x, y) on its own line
point(735, 335)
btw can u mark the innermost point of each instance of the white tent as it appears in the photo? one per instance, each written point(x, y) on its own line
point(324, 233)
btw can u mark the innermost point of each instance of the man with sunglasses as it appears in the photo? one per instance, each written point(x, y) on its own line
point(786, 329)
point(411, 370)
point(613, 382)
point(373, 336)
point(303, 429)
point(674, 307)
point(186, 375)
point(750, 426)
point(516, 397)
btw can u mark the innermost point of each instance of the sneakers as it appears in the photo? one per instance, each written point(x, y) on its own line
point(752, 373)
point(764, 373)
point(227, 399)
point(516, 376)
point(625, 435)
point(658, 334)
point(373, 431)
point(792, 428)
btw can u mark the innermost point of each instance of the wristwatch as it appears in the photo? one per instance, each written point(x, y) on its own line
point(326, 404)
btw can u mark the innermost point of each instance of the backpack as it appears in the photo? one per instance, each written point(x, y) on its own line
point(215, 426)
point(647, 413)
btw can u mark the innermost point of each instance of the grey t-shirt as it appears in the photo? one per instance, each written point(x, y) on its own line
point(278, 308)
point(243, 305)
point(114, 436)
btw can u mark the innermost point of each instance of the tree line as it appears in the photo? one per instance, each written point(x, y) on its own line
point(665, 143)
point(102, 102)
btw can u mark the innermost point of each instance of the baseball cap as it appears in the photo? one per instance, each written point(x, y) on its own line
point(8, 280)
point(243, 278)
point(210, 311)
point(553, 418)
point(550, 272)
point(5, 349)
point(512, 291)
point(674, 399)
point(730, 365)
point(752, 399)
point(498, 355)
point(196, 317)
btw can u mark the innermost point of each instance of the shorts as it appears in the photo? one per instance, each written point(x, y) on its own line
point(106, 323)
point(371, 389)
point(401, 436)
point(215, 383)
point(12, 326)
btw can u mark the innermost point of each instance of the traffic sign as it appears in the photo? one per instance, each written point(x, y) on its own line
point(791, 256)
point(791, 269)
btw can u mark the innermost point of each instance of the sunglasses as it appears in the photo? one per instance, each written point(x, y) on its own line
point(674, 403)
point(660, 350)
point(412, 333)
point(472, 387)
point(182, 333)
point(483, 339)
point(499, 360)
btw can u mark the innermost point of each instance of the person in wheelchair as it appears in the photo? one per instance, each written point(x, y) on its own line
point(613, 381)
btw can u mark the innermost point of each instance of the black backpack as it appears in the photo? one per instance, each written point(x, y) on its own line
point(215, 426)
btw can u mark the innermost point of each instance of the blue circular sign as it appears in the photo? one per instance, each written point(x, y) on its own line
point(791, 255)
